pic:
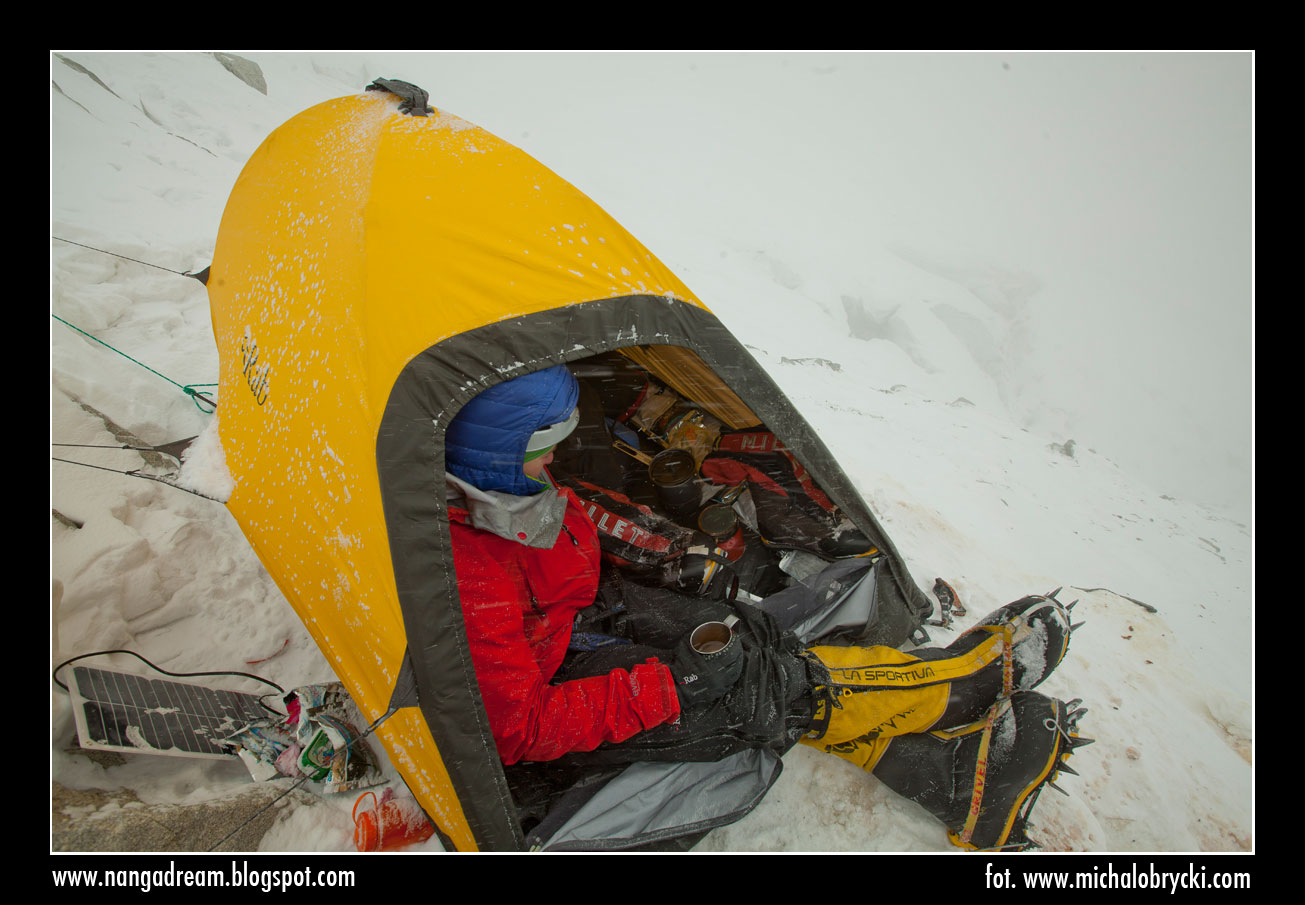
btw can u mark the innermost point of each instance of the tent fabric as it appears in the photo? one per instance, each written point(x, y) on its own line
point(374, 271)
point(355, 238)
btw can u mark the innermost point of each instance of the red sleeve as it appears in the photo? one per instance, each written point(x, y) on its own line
point(530, 718)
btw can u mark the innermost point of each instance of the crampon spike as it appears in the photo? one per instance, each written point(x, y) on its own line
point(1078, 741)
point(1070, 606)
point(1053, 594)
point(1058, 789)
point(1070, 705)
point(1066, 768)
point(1075, 627)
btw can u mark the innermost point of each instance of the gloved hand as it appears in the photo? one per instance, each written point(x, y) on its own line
point(702, 678)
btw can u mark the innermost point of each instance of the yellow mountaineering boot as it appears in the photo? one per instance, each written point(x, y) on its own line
point(956, 729)
point(881, 691)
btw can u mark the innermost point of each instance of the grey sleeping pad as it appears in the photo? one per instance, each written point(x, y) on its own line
point(653, 802)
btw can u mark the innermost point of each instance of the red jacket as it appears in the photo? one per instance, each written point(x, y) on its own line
point(519, 603)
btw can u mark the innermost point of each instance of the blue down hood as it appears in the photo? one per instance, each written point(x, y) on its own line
point(485, 445)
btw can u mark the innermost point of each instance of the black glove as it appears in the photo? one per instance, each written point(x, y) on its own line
point(703, 678)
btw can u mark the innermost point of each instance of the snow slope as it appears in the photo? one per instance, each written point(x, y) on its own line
point(1012, 292)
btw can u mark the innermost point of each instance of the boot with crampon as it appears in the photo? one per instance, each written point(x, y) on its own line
point(1036, 630)
point(983, 780)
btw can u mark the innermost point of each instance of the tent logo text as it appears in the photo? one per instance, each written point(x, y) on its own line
point(256, 375)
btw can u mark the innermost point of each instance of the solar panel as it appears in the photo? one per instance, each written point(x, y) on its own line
point(125, 712)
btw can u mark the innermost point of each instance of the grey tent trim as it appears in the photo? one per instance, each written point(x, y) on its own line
point(410, 464)
point(653, 802)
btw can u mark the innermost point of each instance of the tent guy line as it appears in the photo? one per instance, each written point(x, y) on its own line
point(201, 275)
point(188, 389)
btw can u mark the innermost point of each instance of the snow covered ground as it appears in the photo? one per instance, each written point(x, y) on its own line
point(953, 264)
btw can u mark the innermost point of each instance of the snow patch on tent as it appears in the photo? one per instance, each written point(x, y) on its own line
point(204, 466)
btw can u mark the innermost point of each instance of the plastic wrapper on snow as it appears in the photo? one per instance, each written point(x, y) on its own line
point(318, 740)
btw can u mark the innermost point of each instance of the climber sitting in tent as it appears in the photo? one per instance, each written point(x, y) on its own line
point(529, 562)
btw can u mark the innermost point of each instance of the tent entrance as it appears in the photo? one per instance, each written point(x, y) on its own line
point(738, 501)
point(620, 348)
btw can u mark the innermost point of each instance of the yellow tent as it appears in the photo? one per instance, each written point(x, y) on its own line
point(377, 265)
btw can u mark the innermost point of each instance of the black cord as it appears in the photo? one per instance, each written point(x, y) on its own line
point(135, 261)
point(137, 474)
point(100, 653)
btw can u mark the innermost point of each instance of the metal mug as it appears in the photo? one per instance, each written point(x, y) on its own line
point(713, 637)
